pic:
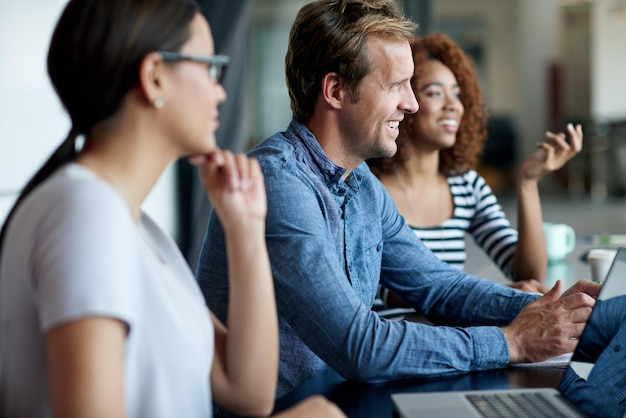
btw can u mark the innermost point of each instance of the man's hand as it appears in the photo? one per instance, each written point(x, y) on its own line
point(584, 286)
point(551, 325)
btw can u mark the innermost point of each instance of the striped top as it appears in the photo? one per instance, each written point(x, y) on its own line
point(478, 213)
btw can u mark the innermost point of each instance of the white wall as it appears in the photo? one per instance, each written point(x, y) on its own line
point(538, 24)
point(608, 61)
point(32, 120)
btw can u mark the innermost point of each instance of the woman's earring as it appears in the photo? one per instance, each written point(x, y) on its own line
point(159, 103)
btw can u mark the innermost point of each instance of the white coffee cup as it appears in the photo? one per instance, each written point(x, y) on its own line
point(560, 240)
point(600, 260)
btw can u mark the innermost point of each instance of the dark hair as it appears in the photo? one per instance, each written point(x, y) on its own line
point(330, 36)
point(93, 62)
point(470, 138)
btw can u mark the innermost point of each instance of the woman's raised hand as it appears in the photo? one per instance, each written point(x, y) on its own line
point(553, 153)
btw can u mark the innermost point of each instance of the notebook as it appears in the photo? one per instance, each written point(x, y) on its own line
point(531, 402)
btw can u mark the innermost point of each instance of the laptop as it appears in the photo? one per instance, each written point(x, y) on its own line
point(534, 402)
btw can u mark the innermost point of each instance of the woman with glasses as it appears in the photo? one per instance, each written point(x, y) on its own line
point(99, 313)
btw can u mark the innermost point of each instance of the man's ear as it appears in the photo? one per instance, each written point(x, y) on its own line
point(334, 91)
point(151, 81)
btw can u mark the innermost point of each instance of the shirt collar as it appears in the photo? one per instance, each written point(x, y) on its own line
point(329, 170)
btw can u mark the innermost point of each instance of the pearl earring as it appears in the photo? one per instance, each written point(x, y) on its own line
point(159, 103)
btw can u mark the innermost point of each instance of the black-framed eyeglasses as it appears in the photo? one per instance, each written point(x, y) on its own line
point(216, 63)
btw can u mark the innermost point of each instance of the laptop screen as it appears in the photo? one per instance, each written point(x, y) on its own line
point(595, 380)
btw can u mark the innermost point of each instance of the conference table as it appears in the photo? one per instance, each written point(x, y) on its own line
point(361, 400)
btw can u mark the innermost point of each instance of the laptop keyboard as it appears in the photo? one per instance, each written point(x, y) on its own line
point(521, 405)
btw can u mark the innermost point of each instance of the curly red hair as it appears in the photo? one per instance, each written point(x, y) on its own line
point(464, 155)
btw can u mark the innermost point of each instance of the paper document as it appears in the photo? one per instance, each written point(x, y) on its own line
point(559, 361)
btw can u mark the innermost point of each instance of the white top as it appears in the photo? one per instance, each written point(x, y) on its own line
point(72, 250)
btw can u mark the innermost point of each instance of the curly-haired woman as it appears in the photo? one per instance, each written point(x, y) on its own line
point(432, 177)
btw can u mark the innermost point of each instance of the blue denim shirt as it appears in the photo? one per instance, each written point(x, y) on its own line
point(330, 242)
